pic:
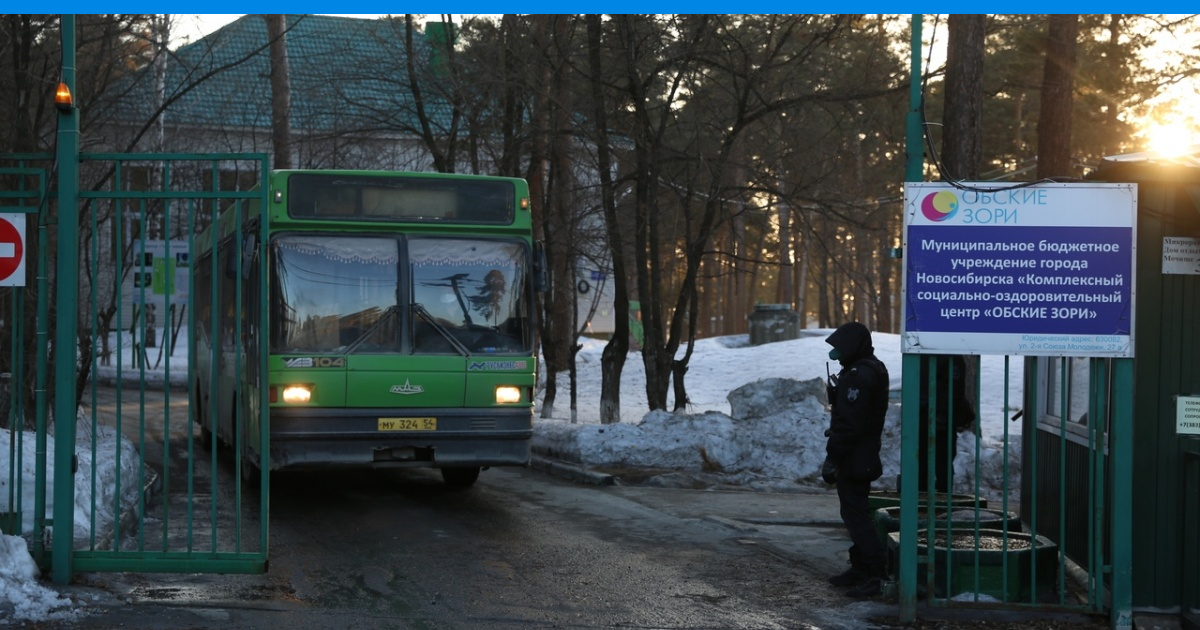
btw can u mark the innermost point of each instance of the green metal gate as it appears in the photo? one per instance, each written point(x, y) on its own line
point(1052, 534)
point(148, 494)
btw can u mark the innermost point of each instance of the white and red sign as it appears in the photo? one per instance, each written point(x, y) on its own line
point(12, 250)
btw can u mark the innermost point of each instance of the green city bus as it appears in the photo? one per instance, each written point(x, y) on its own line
point(387, 318)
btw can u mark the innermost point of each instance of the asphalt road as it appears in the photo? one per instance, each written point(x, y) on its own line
point(396, 549)
point(523, 548)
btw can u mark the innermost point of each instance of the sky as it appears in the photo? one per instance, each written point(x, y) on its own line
point(780, 451)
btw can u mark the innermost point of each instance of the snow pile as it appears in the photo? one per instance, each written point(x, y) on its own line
point(776, 432)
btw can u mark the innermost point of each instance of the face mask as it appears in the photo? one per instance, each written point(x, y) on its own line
point(835, 354)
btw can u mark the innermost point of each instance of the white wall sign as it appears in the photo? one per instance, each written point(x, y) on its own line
point(1181, 255)
point(1187, 415)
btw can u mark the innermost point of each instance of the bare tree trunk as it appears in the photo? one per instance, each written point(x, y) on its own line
point(784, 293)
point(735, 292)
point(885, 317)
point(560, 222)
point(281, 95)
point(510, 157)
point(962, 142)
point(962, 138)
point(802, 279)
point(612, 360)
point(539, 198)
point(1058, 83)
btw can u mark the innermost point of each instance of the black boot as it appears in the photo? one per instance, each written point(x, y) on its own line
point(870, 585)
point(849, 577)
point(854, 574)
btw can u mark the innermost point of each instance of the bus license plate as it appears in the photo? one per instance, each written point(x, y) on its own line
point(408, 424)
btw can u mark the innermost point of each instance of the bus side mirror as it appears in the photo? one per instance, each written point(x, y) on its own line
point(539, 267)
point(249, 250)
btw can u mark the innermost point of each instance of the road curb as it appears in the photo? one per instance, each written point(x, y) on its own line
point(572, 472)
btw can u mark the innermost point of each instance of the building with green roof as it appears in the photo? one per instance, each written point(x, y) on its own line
point(352, 105)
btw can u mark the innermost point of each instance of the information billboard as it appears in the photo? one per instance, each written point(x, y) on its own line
point(1043, 269)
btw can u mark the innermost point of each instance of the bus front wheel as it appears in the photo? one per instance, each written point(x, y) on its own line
point(462, 477)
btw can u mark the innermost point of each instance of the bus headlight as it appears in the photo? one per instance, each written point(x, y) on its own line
point(297, 393)
point(507, 394)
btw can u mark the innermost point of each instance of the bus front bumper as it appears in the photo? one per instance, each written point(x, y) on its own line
point(357, 438)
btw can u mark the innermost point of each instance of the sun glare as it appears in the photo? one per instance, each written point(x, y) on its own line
point(1171, 140)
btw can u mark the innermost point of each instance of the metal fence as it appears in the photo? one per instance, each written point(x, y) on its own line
point(148, 494)
point(1030, 524)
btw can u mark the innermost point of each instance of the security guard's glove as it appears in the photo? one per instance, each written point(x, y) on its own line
point(829, 472)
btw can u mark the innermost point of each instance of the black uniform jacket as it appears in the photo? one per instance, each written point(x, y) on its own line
point(859, 406)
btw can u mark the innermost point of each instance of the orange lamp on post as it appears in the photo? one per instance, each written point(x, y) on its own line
point(63, 99)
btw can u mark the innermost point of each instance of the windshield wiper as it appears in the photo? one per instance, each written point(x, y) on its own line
point(424, 314)
point(376, 325)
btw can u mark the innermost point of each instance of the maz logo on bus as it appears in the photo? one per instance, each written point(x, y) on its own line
point(407, 388)
point(315, 362)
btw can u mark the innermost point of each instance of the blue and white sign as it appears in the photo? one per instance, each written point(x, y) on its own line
point(1044, 269)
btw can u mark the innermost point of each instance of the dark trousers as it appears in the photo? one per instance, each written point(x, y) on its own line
point(942, 458)
point(867, 551)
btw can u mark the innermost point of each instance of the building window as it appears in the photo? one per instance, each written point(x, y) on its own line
point(1065, 392)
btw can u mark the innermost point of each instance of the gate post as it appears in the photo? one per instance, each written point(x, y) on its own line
point(914, 161)
point(66, 296)
point(1121, 614)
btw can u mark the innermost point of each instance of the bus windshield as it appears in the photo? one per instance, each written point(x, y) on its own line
point(343, 295)
point(472, 289)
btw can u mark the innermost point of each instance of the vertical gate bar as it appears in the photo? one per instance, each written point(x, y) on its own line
point(1004, 481)
point(1029, 423)
point(15, 427)
point(931, 524)
point(1121, 450)
point(264, 417)
point(214, 351)
point(117, 288)
point(143, 356)
point(66, 324)
point(239, 415)
point(978, 468)
point(910, 400)
point(94, 367)
point(164, 347)
point(1098, 434)
point(119, 254)
point(978, 451)
point(1068, 374)
point(42, 362)
point(15, 488)
point(1097, 415)
point(193, 395)
point(928, 497)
